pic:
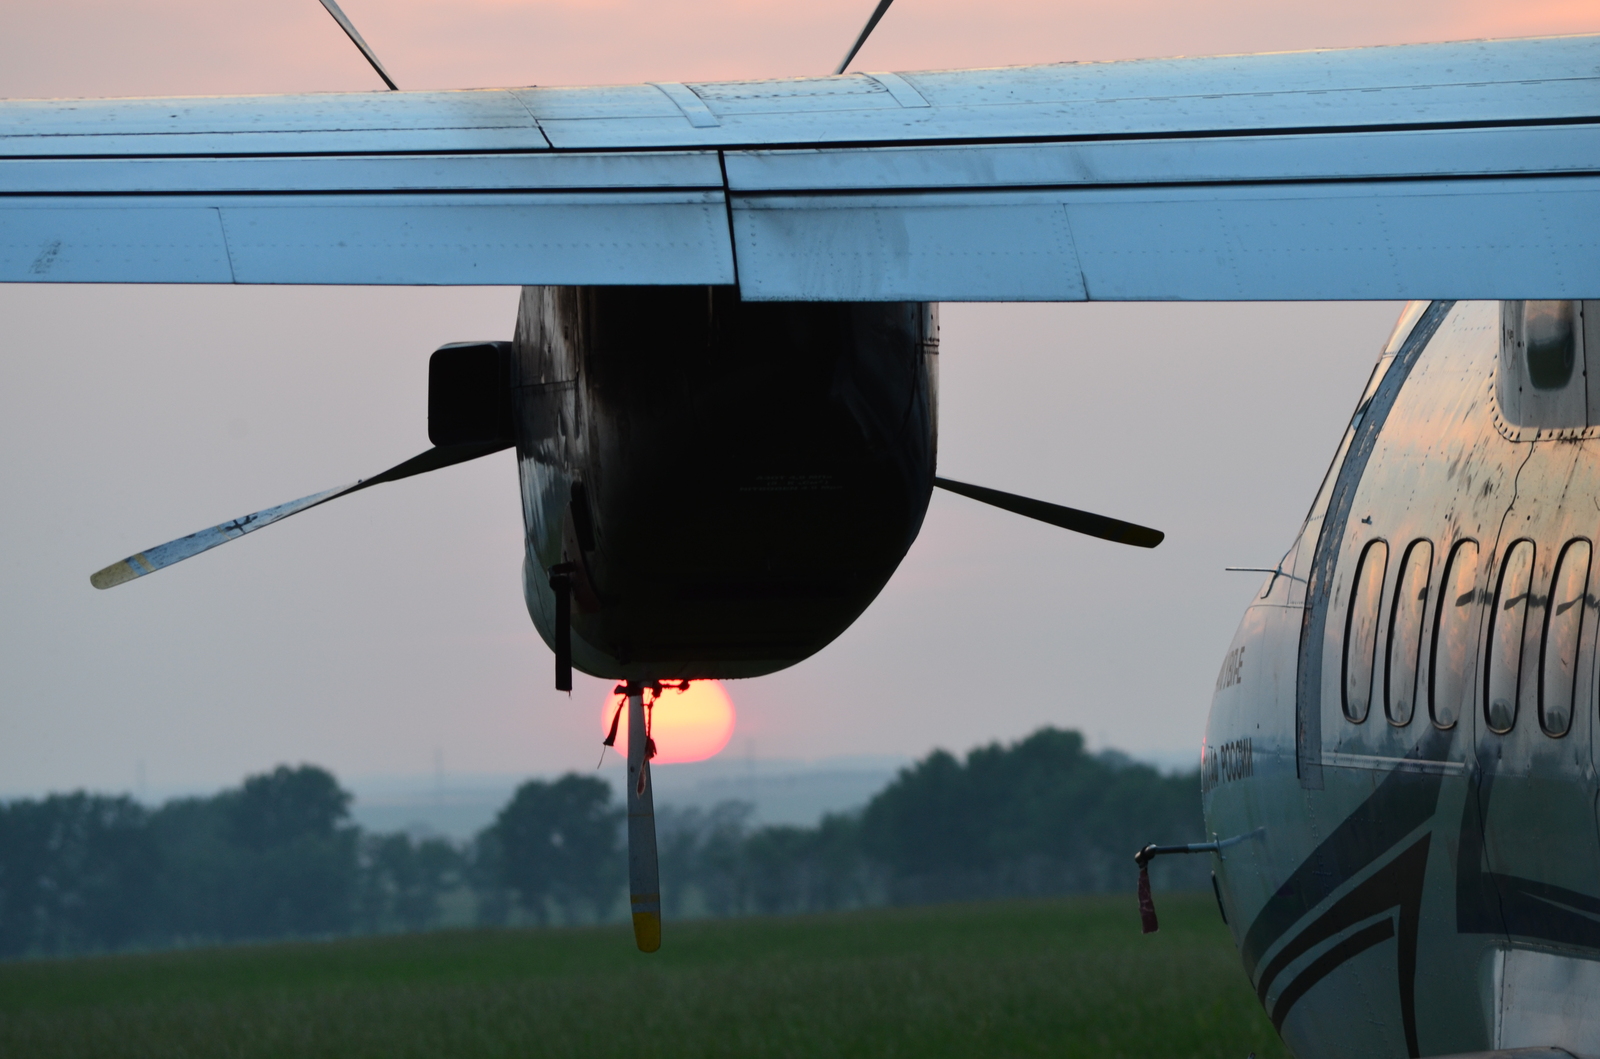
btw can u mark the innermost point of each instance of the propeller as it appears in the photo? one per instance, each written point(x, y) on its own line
point(1086, 522)
point(355, 38)
point(163, 555)
point(644, 870)
point(872, 24)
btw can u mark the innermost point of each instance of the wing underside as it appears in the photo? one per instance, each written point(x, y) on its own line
point(1460, 170)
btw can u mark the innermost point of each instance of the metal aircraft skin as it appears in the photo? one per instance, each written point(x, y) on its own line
point(653, 228)
point(1416, 171)
point(1404, 728)
point(729, 484)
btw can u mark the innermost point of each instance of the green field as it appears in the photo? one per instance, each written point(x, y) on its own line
point(1069, 977)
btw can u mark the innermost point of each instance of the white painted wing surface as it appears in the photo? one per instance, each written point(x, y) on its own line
point(1465, 170)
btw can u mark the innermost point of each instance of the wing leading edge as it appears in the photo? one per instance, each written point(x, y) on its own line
point(1458, 170)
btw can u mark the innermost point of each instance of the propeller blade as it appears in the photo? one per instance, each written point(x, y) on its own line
point(355, 38)
point(872, 24)
point(163, 555)
point(644, 872)
point(1107, 529)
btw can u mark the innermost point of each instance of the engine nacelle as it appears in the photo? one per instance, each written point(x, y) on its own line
point(724, 485)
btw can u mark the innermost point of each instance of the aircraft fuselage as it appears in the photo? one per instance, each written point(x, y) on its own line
point(1407, 710)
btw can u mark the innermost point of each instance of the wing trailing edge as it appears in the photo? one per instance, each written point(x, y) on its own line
point(1402, 172)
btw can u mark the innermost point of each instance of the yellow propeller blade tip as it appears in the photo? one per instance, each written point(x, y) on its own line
point(115, 574)
point(647, 931)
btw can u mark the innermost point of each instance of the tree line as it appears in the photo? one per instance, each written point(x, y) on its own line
point(277, 856)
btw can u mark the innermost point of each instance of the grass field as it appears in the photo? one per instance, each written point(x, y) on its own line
point(1070, 977)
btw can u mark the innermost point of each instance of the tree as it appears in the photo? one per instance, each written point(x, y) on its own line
point(287, 805)
point(556, 845)
point(291, 869)
point(808, 869)
point(77, 873)
point(1039, 816)
point(703, 862)
point(403, 879)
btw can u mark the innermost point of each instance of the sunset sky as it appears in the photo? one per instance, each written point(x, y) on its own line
point(367, 635)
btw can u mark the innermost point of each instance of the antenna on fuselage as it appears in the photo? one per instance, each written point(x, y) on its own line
point(355, 38)
point(872, 24)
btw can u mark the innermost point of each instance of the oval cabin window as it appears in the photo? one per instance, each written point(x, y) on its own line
point(1405, 632)
point(1507, 619)
point(1361, 630)
point(1451, 658)
point(1563, 631)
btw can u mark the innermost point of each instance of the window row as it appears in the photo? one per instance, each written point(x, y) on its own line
point(1525, 665)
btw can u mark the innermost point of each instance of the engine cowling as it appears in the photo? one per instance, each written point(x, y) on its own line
point(732, 482)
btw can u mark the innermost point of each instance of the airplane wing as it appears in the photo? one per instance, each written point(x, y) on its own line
point(1468, 170)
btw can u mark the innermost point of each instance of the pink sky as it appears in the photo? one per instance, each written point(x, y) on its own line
point(369, 634)
point(155, 47)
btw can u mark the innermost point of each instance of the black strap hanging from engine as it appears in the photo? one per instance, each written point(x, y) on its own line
point(1147, 904)
point(616, 718)
point(561, 585)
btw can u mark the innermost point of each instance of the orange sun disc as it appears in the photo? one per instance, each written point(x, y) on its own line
point(689, 725)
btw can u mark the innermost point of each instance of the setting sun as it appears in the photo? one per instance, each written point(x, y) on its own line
point(689, 725)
